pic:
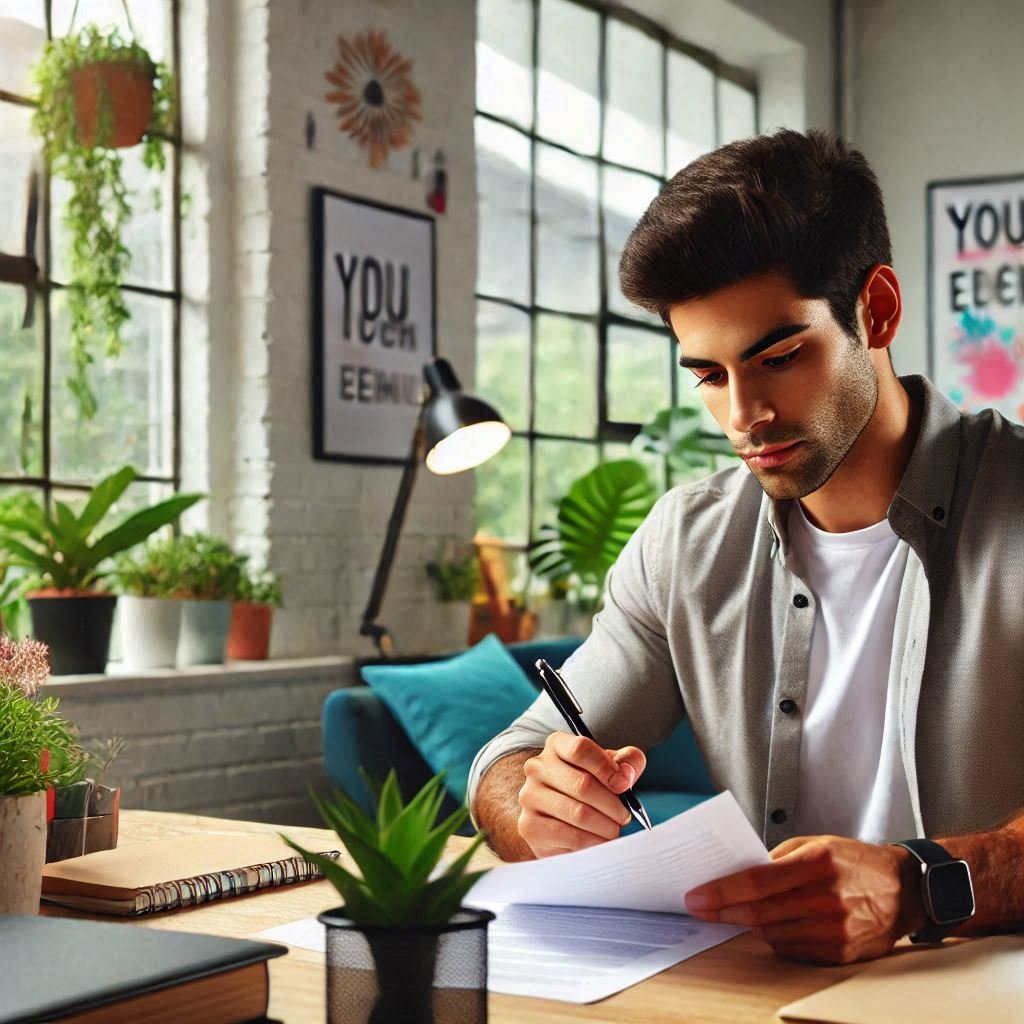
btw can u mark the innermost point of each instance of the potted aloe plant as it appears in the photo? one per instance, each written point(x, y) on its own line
point(402, 947)
point(65, 567)
point(37, 751)
point(97, 94)
point(149, 608)
point(209, 572)
point(252, 614)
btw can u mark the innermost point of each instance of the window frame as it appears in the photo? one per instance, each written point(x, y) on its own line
point(34, 276)
point(607, 431)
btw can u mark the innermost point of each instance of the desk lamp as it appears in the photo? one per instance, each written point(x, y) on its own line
point(454, 432)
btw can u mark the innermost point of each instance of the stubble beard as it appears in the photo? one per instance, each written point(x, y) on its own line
point(836, 428)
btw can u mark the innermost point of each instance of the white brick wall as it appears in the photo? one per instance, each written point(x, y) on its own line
point(254, 68)
point(242, 742)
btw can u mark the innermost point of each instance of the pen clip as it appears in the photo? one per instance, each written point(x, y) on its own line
point(556, 682)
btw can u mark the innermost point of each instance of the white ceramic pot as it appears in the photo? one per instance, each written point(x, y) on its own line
point(150, 629)
point(204, 632)
point(22, 852)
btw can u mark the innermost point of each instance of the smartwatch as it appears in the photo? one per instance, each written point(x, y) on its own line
point(945, 886)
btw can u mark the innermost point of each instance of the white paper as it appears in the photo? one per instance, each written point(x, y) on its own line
point(643, 871)
point(582, 954)
point(582, 926)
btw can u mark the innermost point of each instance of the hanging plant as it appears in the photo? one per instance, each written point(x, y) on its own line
point(98, 93)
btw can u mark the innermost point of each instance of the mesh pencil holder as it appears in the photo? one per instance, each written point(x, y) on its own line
point(435, 974)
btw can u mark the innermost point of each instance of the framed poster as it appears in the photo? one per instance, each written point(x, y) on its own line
point(976, 292)
point(373, 322)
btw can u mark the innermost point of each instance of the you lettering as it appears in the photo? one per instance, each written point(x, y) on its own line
point(986, 225)
point(376, 301)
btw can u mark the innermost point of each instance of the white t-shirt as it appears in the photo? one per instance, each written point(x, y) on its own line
point(852, 779)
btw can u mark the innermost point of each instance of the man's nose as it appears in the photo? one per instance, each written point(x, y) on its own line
point(749, 410)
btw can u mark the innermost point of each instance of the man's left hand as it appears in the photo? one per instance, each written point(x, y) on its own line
point(823, 899)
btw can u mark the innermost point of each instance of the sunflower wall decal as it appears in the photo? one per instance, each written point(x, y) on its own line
point(377, 102)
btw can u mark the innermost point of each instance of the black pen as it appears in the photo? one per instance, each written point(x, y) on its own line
point(558, 690)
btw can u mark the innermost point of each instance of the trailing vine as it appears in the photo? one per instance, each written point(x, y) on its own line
point(100, 205)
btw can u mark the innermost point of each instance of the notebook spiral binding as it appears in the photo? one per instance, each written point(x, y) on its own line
point(191, 892)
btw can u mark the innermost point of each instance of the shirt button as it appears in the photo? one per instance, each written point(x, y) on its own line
point(801, 601)
point(938, 513)
point(787, 707)
point(778, 816)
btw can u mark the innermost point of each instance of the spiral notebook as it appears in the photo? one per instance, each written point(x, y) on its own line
point(166, 874)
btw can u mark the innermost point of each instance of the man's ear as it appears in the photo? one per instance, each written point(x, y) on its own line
point(881, 305)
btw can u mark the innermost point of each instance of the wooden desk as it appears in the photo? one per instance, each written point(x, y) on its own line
point(738, 982)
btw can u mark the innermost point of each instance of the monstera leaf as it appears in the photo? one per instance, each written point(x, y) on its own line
point(595, 519)
point(677, 434)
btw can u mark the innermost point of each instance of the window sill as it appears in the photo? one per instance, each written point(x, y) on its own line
point(123, 681)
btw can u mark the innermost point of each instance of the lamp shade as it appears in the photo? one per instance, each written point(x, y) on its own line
point(460, 431)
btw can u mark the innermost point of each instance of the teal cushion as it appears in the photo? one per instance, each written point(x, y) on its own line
point(677, 763)
point(449, 709)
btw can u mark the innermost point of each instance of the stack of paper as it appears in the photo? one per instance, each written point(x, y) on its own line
point(584, 925)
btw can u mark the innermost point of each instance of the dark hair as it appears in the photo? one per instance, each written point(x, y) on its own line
point(806, 205)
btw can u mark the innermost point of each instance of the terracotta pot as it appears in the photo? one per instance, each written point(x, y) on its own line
point(128, 90)
point(22, 852)
point(249, 639)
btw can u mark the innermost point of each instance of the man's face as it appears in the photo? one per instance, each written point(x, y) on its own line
point(790, 389)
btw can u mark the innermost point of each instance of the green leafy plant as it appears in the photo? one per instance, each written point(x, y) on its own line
point(100, 204)
point(677, 435)
point(396, 852)
point(209, 569)
point(260, 586)
point(58, 551)
point(454, 579)
point(596, 518)
point(30, 727)
point(155, 570)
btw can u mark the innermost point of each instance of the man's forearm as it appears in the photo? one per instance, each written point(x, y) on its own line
point(496, 807)
point(996, 860)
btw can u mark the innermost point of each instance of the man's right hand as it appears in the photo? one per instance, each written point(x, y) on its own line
point(570, 799)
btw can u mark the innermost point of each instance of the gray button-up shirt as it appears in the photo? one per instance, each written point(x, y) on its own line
point(705, 616)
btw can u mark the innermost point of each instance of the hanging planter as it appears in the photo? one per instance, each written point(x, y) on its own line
point(98, 93)
point(113, 102)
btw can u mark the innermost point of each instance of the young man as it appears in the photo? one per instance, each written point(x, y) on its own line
point(841, 617)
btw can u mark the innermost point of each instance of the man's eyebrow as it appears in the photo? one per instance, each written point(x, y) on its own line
point(772, 338)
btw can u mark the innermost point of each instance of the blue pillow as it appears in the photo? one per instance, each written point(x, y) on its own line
point(449, 709)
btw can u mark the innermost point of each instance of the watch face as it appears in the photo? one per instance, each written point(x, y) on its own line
point(950, 892)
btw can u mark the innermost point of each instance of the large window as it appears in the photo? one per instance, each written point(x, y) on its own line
point(581, 116)
point(45, 442)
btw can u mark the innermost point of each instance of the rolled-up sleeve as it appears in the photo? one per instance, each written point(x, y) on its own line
point(622, 675)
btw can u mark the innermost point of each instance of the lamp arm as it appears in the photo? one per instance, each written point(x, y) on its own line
point(370, 627)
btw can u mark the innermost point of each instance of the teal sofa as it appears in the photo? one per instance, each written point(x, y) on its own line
point(360, 730)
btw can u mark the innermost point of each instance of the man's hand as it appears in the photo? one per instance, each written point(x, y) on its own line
point(570, 798)
point(824, 899)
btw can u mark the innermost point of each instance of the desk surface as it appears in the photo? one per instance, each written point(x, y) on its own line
point(738, 982)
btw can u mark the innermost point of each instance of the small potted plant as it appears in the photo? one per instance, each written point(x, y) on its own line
point(65, 569)
point(98, 93)
point(252, 614)
point(455, 579)
point(149, 608)
point(37, 751)
point(396, 914)
point(209, 574)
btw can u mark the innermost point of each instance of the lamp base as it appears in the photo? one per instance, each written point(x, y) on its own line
point(380, 636)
